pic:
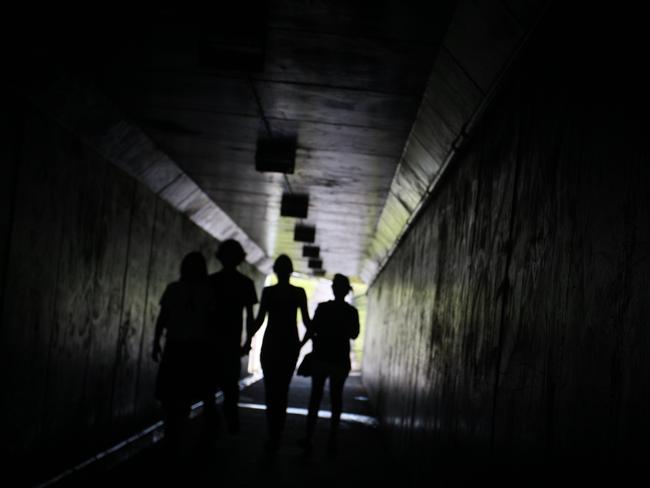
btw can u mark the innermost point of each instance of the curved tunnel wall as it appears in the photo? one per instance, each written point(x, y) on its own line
point(513, 317)
point(87, 252)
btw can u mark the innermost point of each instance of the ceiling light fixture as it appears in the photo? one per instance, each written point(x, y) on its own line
point(310, 251)
point(315, 263)
point(276, 155)
point(294, 205)
point(304, 233)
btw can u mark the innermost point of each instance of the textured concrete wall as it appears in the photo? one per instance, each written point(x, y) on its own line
point(513, 318)
point(482, 39)
point(88, 252)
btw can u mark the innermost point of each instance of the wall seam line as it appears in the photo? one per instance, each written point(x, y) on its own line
point(146, 304)
point(505, 289)
point(120, 332)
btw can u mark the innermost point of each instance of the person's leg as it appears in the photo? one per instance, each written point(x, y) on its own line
point(210, 371)
point(272, 405)
point(283, 398)
point(277, 395)
point(212, 421)
point(230, 408)
point(315, 397)
point(231, 394)
point(278, 371)
point(176, 415)
point(337, 382)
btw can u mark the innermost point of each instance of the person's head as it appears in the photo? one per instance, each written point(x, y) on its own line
point(283, 267)
point(230, 253)
point(193, 267)
point(340, 286)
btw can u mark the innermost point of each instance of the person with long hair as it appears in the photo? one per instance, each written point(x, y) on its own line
point(281, 344)
point(186, 310)
point(334, 323)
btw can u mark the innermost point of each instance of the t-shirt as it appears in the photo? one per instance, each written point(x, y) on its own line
point(232, 292)
point(334, 324)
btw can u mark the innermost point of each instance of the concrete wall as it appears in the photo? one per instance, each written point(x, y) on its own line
point(512, 321)
point(86, 254)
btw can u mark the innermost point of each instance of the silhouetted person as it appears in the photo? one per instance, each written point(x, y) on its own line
point(281, 344)
point(233, 294)
point(186, 310)
point(334, 323)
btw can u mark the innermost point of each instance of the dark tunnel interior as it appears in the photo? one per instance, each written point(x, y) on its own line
point(477, 169)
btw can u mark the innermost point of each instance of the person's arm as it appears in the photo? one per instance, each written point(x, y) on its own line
point(354, 329)
point(259, 320)
point(251, 300)
point(250, 323)
point(308, 335)
point(161, 324)
point(304, 314)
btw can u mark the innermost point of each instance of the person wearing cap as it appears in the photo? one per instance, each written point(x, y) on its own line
point(234, 293)
point(335, 322)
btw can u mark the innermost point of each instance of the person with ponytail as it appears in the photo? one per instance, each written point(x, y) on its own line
point(281, 344)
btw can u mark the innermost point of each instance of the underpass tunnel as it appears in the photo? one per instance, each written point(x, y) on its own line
point(477, 168)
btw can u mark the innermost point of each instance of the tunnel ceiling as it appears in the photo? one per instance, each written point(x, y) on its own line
point(379, 96)
point(344, 79)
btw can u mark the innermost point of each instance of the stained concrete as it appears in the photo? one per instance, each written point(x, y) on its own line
point(510, 326)
point(476, 51)
point(88, 252)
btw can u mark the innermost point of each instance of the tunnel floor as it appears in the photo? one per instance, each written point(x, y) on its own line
point(363, 457)
point(241, 460)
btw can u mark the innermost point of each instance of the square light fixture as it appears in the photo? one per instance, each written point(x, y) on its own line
point(294, 205)
point(310, 251)
point(276, 155)
point(304, 233)
point(315, 263)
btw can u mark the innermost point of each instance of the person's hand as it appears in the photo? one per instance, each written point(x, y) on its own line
point(245, 349)
point(155, 353)
point(304, 340)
